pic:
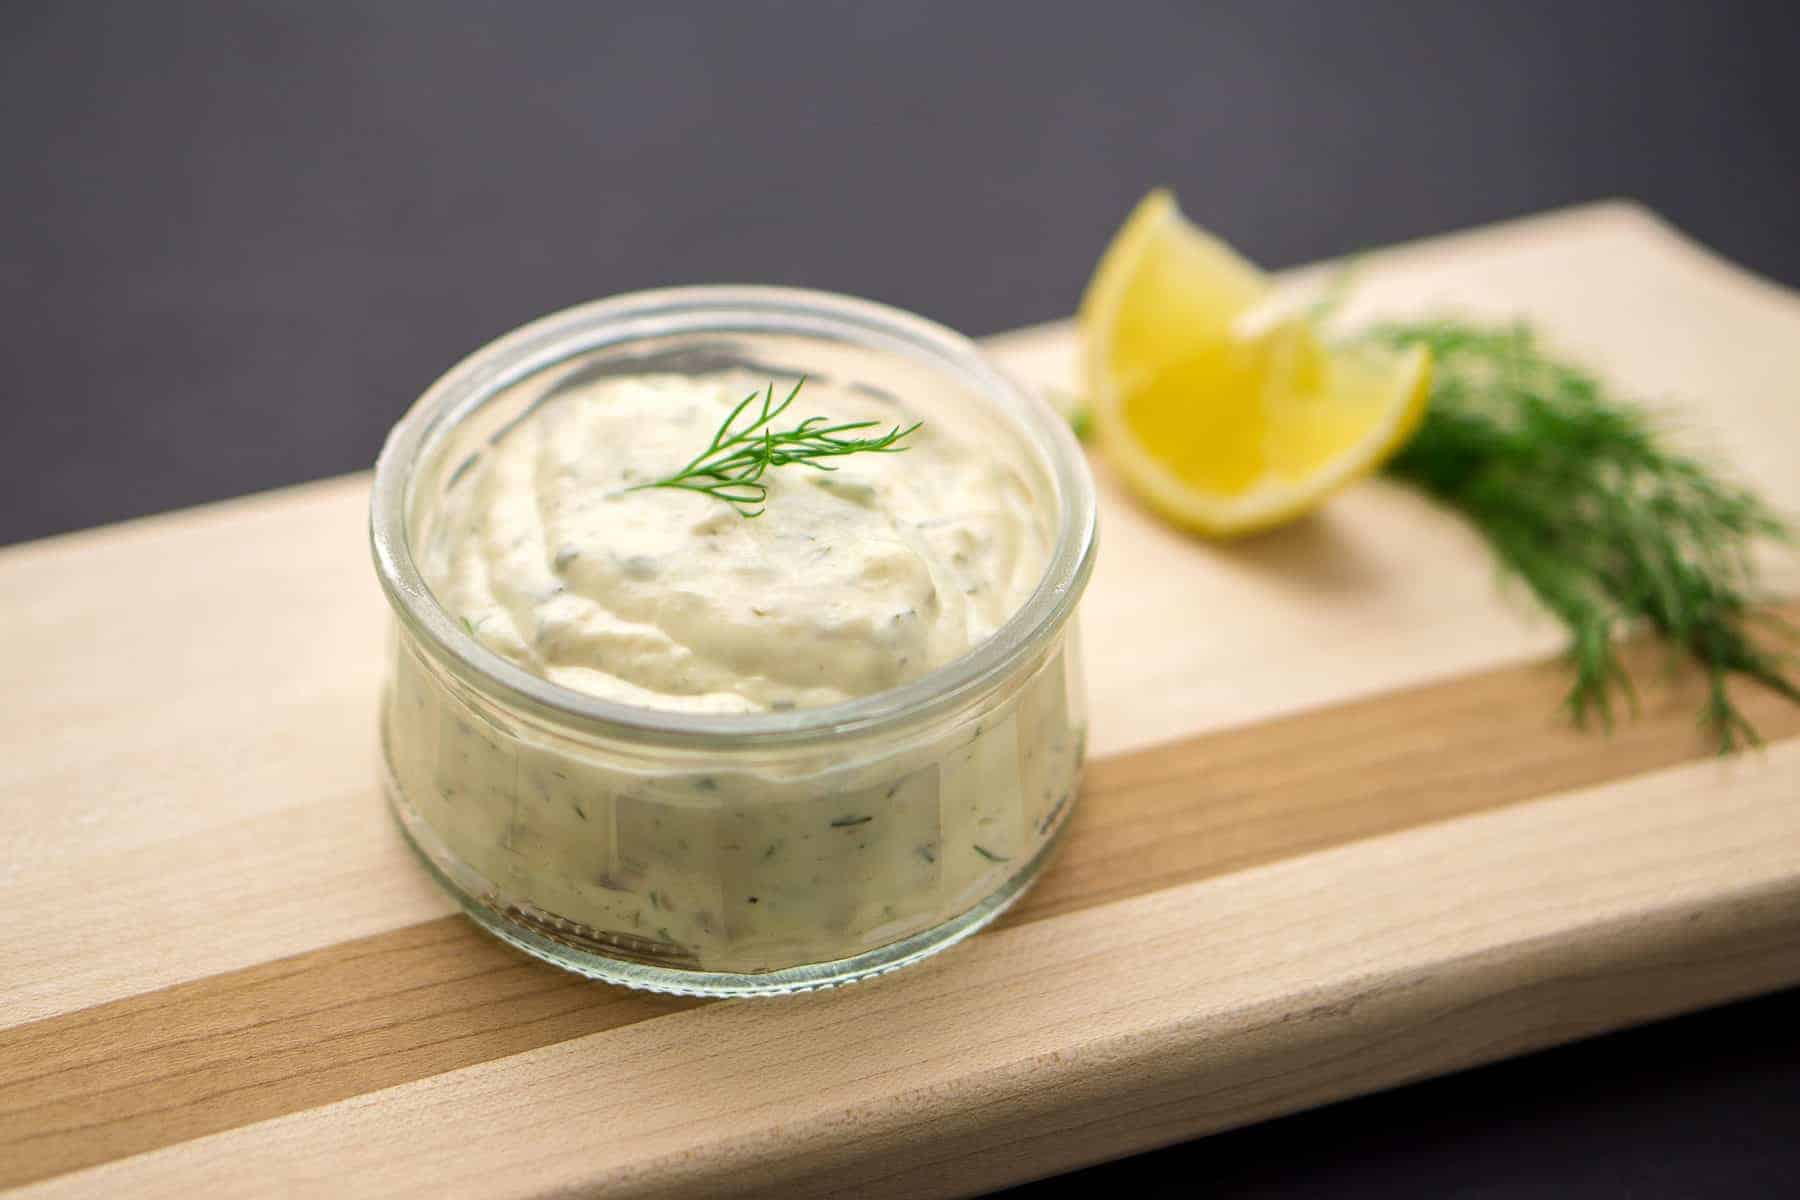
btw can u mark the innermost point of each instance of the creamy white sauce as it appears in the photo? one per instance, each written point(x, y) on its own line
point(852, 581)
point(849, 583)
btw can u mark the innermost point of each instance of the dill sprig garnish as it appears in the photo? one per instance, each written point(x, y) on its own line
point(732, 466)
point(1578, 496)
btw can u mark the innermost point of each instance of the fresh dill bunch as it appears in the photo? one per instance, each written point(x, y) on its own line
point(1578, 495)
point(732, 466)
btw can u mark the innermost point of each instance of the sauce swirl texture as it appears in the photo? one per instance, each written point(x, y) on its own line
point(851, 582)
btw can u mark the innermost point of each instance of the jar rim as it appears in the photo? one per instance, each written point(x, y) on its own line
point(554, 339)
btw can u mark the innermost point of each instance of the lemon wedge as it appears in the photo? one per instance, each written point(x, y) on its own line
point(1225, 421)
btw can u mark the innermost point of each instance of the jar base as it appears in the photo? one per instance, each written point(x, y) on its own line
point(539, 936)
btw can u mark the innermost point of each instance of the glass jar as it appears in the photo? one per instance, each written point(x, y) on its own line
point(728, 854)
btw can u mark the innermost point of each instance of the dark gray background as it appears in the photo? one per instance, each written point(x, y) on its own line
point(237, 239)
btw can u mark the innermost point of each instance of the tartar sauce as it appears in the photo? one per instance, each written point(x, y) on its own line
point(850, 582)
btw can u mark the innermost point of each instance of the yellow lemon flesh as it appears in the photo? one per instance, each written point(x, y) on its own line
point(1224, 424)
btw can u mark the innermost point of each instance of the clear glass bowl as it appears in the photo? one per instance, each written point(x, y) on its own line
point(728, 854)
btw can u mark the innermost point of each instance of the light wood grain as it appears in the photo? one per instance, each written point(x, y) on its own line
point(194, 737)
point(189, 747)
point(1333, 839)
point(232, 1049)
point(374, 1012)
point(1224, 1001)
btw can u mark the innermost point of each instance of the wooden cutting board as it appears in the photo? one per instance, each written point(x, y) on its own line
point(1334, 838)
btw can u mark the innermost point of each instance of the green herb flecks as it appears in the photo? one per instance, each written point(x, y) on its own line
point(1081, 423)
point(1076, 410)
point(990, 855)
point(1578, 495)
point(732, 466)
